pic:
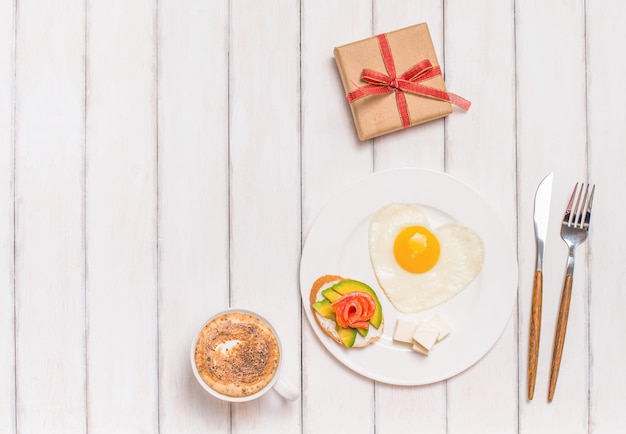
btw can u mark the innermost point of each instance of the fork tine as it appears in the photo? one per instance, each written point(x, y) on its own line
point(581, 212)
point(567, 218)
point(588, 212)
point(577, 208)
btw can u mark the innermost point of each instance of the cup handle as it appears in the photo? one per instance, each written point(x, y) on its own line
point(286, 390)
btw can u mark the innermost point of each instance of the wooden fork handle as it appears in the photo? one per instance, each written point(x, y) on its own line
point(559, 338)
point(535, 331)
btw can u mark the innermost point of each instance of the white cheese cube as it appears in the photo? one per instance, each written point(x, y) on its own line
point(419, 349)
point(404, 330)
point(438, 323)
point(425, 335)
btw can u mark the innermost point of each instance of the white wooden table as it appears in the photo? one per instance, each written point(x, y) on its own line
point(162, 160)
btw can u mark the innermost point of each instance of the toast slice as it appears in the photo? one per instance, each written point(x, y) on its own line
point(329, 327)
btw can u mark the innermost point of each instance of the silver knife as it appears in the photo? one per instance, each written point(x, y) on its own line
point(541, 216)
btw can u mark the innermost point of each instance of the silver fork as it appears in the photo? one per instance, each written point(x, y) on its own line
point(574, 230)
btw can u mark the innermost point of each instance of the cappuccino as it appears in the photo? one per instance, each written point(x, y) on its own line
point(237, 354)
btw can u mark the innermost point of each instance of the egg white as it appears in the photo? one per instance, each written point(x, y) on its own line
point(460, 261)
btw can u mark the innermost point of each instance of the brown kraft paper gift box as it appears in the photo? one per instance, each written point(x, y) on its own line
point(379, 114)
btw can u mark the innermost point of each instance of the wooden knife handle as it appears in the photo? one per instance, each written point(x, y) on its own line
point(535, 331)
point(559, 338)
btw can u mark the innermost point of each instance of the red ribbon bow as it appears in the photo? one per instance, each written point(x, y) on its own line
point(409, 81)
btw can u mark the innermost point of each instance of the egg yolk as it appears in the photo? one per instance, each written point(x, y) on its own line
point(416, 249)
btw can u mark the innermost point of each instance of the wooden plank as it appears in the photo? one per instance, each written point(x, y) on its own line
point(479, 65)
point(402, 409)
point(49, 237)
point(551, 134)
point(193, 202)
point(332, 159)
point(605, 83)
point(265, 189)
point(121, 216)
point(7, 289)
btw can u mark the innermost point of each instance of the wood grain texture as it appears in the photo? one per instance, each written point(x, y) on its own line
point(49, 217)
point(193, 220)
point(7, 288)
point(607, 354)
point(535, 332)
point(559, 336)
point(121, 217)
point(265, 233)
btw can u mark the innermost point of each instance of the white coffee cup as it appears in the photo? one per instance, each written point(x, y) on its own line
point(279, 385)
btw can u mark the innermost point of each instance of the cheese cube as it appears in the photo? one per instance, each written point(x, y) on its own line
point(419, 349)
point(426, 335)
point(404, 330)
point(438, 323)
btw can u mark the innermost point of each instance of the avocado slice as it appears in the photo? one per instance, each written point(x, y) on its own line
point(331, 295)
point(363, 332)
point(347, 335)
point(324, 308)
point(347, 286)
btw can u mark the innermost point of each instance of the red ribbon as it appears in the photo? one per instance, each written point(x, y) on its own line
point(408, 81)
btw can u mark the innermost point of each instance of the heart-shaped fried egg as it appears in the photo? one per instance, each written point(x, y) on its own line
point(419, 267)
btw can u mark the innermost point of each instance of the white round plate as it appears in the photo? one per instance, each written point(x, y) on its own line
point(338, 244)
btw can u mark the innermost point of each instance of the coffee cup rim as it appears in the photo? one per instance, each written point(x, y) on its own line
point(214, 392)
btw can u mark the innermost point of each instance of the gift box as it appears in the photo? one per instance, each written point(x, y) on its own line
point(393, 81)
